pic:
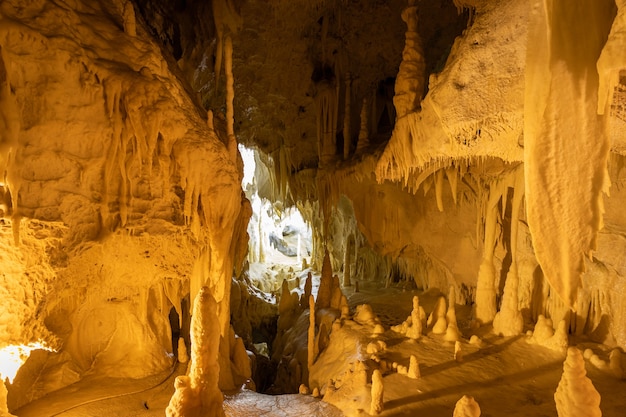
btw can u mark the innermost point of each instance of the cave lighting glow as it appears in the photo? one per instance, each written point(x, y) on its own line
point(13, 357)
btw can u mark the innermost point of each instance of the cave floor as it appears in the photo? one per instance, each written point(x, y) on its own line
point(507, 376)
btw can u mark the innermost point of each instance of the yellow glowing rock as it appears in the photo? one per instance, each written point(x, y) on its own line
point(566, 144)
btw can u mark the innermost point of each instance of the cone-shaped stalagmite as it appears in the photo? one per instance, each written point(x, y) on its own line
point(576, 396)
point(414, 331)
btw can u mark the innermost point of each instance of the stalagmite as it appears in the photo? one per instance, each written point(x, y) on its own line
point(308, 287)
point(615, 364)
point(226, 19)
point(466, 407)
point(414, 368)
point(452, 331)
point(485, 286)
point(509, 321)
point(409, 87)
point(198, 393)
point(376, 406)
point(414, 331)
point(458, 352)
point(241, 360)
point(336, 294)
point(437, 317)
point(566, 144)
point(345, 308)
point(311, 352)
point(183, 355)
point(575, 395)
point(543, 329)
point(325, 291)
point(544, 334)
point(439, 189)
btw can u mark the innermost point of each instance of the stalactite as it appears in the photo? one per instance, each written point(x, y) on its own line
point(230, 98)
point(130, 25)
point(452, 331)
point(364, 134)
point(414, 368)
point(409, 87)
point(226, 19)
point(458, 351)
point(327, 107)
point(439, 189)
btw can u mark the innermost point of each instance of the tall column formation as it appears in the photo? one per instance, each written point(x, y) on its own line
point(198, 393)
point(326, 101)
point(485, 287)
point(364, 133)
point(566, 143)
point(325, 291)
point(509, 321)
point(409, 87)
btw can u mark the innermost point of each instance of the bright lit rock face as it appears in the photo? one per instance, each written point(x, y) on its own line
point(117, 196)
